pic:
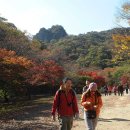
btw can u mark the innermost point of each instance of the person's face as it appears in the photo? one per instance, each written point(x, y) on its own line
point(68, 84)
point(93, 89)
point(87, 82)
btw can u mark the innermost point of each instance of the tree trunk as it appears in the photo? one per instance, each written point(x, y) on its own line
point(29, 92)
point(6, 100)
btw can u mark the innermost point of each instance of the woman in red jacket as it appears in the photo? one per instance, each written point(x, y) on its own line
point(65, 103)
point(91, 101)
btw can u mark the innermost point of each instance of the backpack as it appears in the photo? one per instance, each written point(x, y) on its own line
point(85, 89)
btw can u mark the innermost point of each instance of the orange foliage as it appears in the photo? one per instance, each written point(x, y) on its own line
point(4, 53)
point(10, 57)
point(12, 66)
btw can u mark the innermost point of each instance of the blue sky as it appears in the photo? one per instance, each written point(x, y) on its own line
point(76, 16)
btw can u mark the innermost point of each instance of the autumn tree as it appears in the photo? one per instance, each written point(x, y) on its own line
point(46, 72)
point(122, 42)
point(93, 76)
point(122, 48)
point(12, 68)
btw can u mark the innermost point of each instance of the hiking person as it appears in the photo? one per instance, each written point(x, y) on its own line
point(92, 102)
point(106, 90)
point(110, 89)
point(86, 86)
point(127, 88)
point(65, 103)
point(84, 90)
point(115, 89)
point(120, 90)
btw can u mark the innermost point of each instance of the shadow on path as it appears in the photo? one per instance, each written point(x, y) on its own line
point(110, 120)
point(35, 117)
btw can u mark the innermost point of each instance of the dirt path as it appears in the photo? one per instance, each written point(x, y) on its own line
point(115, 115)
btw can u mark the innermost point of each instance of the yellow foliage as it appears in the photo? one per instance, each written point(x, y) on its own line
point(122, 46)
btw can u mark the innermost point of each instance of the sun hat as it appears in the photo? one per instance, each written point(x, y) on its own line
point(92, 85)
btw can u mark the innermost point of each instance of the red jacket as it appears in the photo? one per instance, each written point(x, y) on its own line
point(61, 104)
point(92, 100)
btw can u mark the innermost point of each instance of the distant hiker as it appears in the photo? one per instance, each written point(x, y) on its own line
point(115, 89)
point(65, 103)
point(120, 90)
point(110, 89)
point(85, 89)
point(127, 88)
point(106, 90)
point(92, 102)
point(86, 86)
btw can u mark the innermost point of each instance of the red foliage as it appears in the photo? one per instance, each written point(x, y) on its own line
point(46, 72)
point(125, 79)
point(100, 80)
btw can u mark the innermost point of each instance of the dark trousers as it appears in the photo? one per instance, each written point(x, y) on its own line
point(66, 122)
